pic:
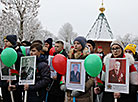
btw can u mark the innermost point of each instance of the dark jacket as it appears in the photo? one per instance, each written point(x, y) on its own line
point(75, 77)
point(62, 52)
point(55, 89)
point(42, 79)
point(17, 94)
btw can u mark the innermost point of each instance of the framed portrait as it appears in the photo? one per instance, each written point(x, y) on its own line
point(75, 76)
point(136, 65)
point(27, 70)
point(117, 75)
point(5, 72)
point(50, 62)
point(52, 70)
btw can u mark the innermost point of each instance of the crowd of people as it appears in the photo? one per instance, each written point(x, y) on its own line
point(47, 89)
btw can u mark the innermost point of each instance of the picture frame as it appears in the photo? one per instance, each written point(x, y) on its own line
point(52, 70)
point(136, 65)
point(117, 75)
point(5, 72)
point(75, 76)
point(27, 70)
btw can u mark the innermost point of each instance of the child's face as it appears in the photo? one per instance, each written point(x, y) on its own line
point(34, 51)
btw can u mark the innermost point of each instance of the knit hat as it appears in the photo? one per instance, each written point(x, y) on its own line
point(12, 39)
point(92, 43)
point(116, 42)
point(131, 47)
point(49, 41)
point(26, 42)
point(81, 40)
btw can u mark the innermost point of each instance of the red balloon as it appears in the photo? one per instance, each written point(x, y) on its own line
point(52, 50)
point(59, 63)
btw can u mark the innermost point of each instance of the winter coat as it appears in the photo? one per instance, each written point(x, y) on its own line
point(37, 92)
point(131, 97)
point(55, 89)
point(83, 96)
point(17, 94)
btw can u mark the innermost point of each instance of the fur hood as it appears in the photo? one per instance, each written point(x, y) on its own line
point(126, 55)
point(78, 55)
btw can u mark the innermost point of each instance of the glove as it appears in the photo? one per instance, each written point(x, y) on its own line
point(75, 93)
point(63, 87)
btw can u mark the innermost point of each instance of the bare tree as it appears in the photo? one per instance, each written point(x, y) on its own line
point(67, 35)
point(21, 18)
point(44, 34)
point(126, 39)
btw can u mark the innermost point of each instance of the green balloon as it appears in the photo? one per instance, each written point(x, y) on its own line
point(9, 56)
point(23, 50)
point(93, 65)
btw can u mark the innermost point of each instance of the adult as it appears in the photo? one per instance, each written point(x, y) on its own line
point(91, 45)
point(47, 46)
point(117, 51)
point(75, 74)
point(131, 49)
point(79, 52)
point(115, 75)
point(37, 92)
point(27, 71)
point(11, 42)
point(56, 94)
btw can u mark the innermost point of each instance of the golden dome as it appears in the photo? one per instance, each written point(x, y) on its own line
point(102, 9)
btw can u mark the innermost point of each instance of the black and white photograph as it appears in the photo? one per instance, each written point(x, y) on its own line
point(5, 72)
point(75, 76)
point(27, 70)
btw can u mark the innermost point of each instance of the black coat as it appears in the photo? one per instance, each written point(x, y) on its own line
point(17, 94)
point(55, 89)
point(75, 77)
point(37, 92)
